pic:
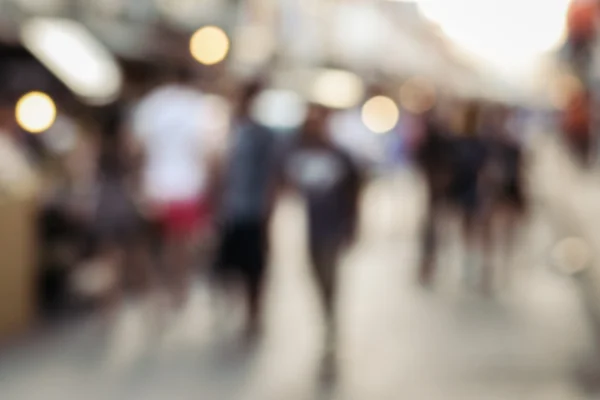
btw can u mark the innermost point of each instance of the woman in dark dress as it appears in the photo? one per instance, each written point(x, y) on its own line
point(121, 237)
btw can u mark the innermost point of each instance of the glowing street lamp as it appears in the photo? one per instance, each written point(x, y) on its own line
point(380, 114)
point(209, 45)
point(35, 112)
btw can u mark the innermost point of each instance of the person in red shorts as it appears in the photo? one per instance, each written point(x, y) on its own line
point(169, 127)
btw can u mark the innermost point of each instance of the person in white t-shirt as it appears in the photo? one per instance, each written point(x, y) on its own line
point(169, 127)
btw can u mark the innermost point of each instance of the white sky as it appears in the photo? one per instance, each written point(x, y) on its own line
point(508, 35)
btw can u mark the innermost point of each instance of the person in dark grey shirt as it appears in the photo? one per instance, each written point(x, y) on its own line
point(242, 253)
point(330, 182)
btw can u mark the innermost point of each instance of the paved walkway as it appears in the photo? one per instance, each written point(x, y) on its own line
point(397, 341)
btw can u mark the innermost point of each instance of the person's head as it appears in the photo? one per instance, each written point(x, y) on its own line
point(113, 150)
point(248, 93)
point(471, 119)
point(7, 113)
point(499, 117)
point(436, 118)
point(179, 75)
point(315, 126)
point(487, 117)
point(374, 90)
point(112, 119)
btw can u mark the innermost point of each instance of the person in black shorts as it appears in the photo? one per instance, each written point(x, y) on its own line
point(245, 207)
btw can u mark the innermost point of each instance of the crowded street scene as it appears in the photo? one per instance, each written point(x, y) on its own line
point(300, 199)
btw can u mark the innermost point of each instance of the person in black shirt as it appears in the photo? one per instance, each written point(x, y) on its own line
point(330, 182)
point(467, 189)
point(433, 157)
point(502, 182)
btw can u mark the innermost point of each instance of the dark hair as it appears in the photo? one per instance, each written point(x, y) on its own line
point(111, 160)
point(178, 74)
point(251, 89)
point(183, 74)
point(7, 99)
point(317, 114)
point(247, 94)
point(112, 119)
point(471, 121)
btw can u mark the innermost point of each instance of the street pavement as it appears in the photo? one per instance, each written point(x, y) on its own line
point(534, 340)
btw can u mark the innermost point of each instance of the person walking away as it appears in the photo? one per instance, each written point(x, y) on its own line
point(502, 183)
point(118, 227)
point(330, 183)
point(169, 125)
point(244, 214)
point(433, 157)
point(470, 157)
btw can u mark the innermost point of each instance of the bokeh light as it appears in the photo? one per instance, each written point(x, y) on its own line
point(35, 112)
point(480, 27)
point(279, 109)
point(209, 45)
point(337, 89)
point(562, 89)
point(380, 114)
point(572, 255)
point(417, 95)
point(75, 56)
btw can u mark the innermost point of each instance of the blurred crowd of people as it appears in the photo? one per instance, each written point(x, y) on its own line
point(174, 183)
point(150, 203)
point(473, 162)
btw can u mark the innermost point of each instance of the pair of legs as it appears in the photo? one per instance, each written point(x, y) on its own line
point(484, 229)
point(473, 207)
point(477, 239)
point(324, 262)
point(438, 188)
point(243, 255)
point(179, 225)
point(324, 257)
point(127, 266)
point(429, 241)
point(499, 230)
point(177, 260)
